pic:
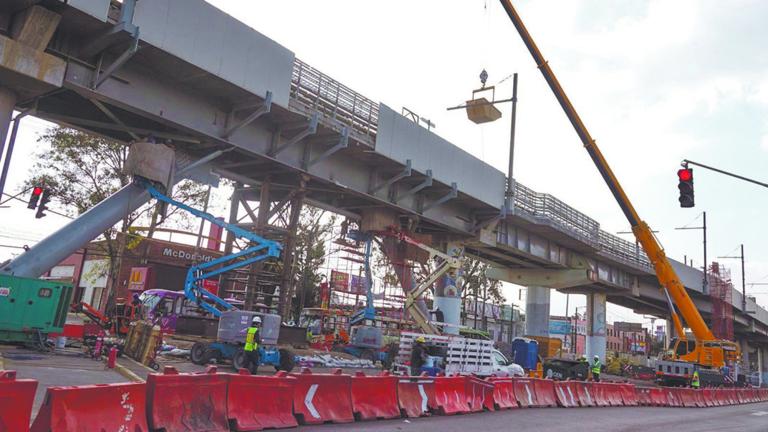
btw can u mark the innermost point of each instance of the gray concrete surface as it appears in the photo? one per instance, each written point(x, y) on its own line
point(49, 370)
point(743, 418)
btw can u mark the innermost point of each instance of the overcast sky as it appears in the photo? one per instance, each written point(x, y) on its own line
point(654, 81)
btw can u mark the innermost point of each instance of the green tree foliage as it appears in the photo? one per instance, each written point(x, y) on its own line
point(314, 230)
point(81, 170)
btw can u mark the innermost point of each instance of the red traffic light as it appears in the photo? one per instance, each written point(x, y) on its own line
point(685, 174)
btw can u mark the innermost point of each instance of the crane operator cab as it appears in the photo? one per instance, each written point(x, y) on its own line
point(716, 353)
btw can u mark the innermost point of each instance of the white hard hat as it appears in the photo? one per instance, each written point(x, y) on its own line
point(597, 356)
point(256, 320)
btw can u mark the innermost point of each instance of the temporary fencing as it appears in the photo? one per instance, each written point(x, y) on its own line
point(260, 402)
point(374, 397)
point(479, 394)
point(525, 392)
point(187, 401)
point(450, 395)
point(321, 398)
point(16, 397)
point(100, 407)
point(503, 393)
point(567, 395)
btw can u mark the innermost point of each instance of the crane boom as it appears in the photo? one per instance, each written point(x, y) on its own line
point(663, 268)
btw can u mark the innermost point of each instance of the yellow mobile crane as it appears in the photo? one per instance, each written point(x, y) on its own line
point(705, 353)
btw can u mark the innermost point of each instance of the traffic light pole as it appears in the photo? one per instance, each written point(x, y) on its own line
point(687, 162)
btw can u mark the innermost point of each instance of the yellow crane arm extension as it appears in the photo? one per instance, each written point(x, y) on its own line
point(664, 271)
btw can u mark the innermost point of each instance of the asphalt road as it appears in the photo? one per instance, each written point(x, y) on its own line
point(742, 418)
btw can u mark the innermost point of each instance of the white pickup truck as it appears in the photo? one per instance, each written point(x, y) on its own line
point(461, 356)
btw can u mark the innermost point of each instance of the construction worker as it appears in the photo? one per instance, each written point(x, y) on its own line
point(418, 355)
point(695, 381)
point(252, 341)
point(596, 367)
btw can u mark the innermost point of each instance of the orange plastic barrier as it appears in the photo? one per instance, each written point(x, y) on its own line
point(257, 402)
point(688, 397)
point(698, 396)
point(585, 393)
point(503, 393)
point(16, 396)
point(613, 393)
point(187, 401)
point(479, 394)
point(643, 396)
point(320, 398)
point(709, 397)
point(374, 397)
point(450, 395)
point(628, 394)
point(600, 394)
point(545, 392)
point(525, 393)
point(658, 397)
point(416, 395)
point(101, 407)
point(566, 393)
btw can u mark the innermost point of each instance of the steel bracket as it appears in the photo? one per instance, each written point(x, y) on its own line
point(445, 198)
point(406, 172)
point(100, 77)
point(310, 129)
point(262, 109)
point(342, 144)
point(425, 184)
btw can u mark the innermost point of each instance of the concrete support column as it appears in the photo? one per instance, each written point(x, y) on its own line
point(447, 294)
point(761, 365)
point(7, 103)
point(596, 307)
point(744, 357)
point(537, 311)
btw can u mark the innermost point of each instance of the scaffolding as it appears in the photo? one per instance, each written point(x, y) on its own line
point(721, 294)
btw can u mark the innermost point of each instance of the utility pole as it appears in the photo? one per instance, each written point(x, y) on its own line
point(510, 171)
point(703, 227)
point(743, 279)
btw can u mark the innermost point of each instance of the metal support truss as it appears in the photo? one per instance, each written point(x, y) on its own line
point(425, 184)
point(406, 172)
point(262, 109)
point(342, 144)
point(259, 250)
point(107, 112)
point(444, 199)
point(310, 129)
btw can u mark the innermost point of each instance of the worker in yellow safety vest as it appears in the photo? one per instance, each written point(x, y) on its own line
point(252, 340)
point(695, 381)
point(596, 367)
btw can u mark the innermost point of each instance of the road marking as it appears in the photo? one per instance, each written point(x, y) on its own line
point(760, 413)
point(308, 400)
point(423, 398)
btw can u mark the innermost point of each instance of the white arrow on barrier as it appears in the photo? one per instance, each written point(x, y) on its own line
point(423, 398)
point(530, 397)
point(573, 400)
point(308, 400)
point(589, 398)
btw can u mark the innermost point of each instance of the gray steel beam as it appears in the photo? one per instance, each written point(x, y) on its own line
point(310, 129)
point(56, 247)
